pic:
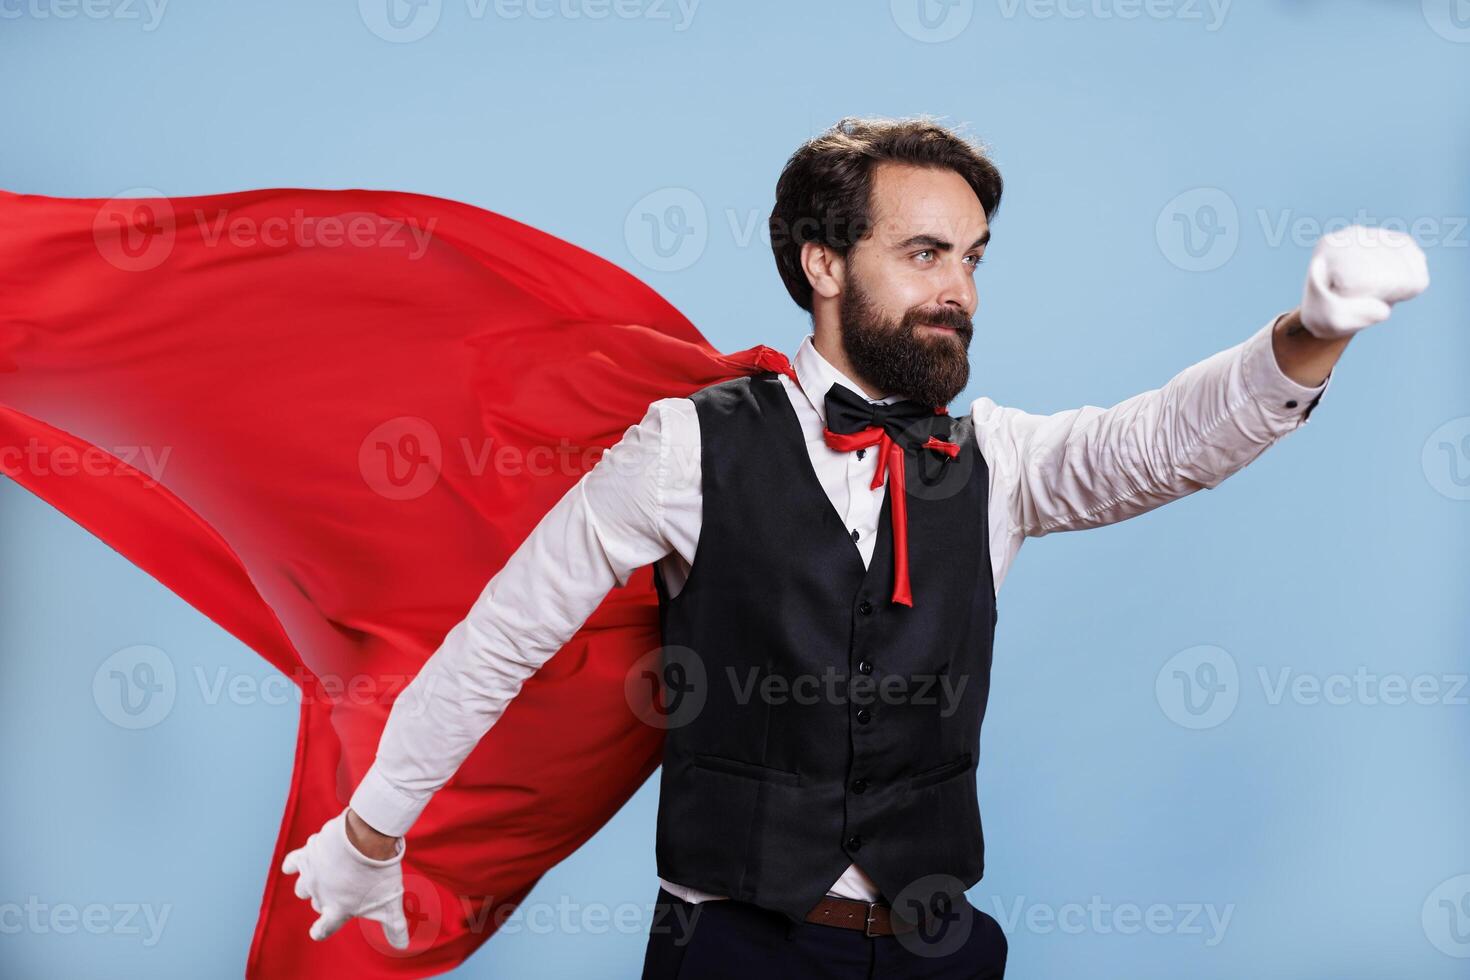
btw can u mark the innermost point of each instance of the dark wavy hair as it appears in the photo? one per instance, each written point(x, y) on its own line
point(823, 194)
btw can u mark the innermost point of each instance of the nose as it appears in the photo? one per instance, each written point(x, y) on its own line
point(958, 289)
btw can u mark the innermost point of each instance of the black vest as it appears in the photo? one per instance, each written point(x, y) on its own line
point(812, 722)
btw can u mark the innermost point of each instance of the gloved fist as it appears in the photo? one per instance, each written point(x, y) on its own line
point(1355, 277)
point(342, 882)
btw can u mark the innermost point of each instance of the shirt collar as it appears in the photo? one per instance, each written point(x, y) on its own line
point(817, 375)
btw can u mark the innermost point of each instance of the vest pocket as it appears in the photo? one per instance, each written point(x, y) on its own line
point(941, 772)
point(751, 770)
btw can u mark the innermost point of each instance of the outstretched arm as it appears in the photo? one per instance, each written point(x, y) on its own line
point(1091, 466)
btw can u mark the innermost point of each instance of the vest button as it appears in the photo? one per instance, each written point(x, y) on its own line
point(854, 842)
point(865, 607)
point(864, 667)
point(859, 785)
point(863, 716)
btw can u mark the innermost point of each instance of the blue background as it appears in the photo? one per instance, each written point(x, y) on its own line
point(1328, 832)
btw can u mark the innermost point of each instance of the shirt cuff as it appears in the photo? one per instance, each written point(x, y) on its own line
point(383, 807)
point(1282, 399)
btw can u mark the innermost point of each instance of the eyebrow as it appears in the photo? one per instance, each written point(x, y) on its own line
point(935, 242)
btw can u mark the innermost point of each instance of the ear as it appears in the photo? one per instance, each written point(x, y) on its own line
point(825, 269)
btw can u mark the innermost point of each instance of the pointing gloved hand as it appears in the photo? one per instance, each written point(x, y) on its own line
point(1356, 275)
point(342, 882)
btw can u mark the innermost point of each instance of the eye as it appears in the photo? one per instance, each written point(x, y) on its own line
point(928, 251)
point(978, 259)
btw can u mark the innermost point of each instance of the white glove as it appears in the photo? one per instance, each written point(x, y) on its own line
point(342, 882)
point(1356, 275)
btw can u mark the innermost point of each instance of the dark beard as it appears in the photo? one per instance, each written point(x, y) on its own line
point(930, 368)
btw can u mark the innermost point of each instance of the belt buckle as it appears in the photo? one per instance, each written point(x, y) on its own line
point(868, 924)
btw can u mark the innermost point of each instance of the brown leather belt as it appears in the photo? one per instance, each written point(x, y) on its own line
point(873, 918)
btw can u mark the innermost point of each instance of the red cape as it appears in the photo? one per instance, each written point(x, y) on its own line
point(345, 389)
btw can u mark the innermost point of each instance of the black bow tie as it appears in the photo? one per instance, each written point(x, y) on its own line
point(854, 423)
point(904, 421)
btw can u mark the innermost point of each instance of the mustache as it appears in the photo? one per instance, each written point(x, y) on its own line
point(952, 318)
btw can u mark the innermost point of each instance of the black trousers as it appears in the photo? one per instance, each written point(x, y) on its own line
point(723, 938)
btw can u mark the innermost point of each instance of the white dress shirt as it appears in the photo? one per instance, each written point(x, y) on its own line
point(641, 503)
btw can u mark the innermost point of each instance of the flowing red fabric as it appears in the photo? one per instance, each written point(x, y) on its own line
point(351, 407)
